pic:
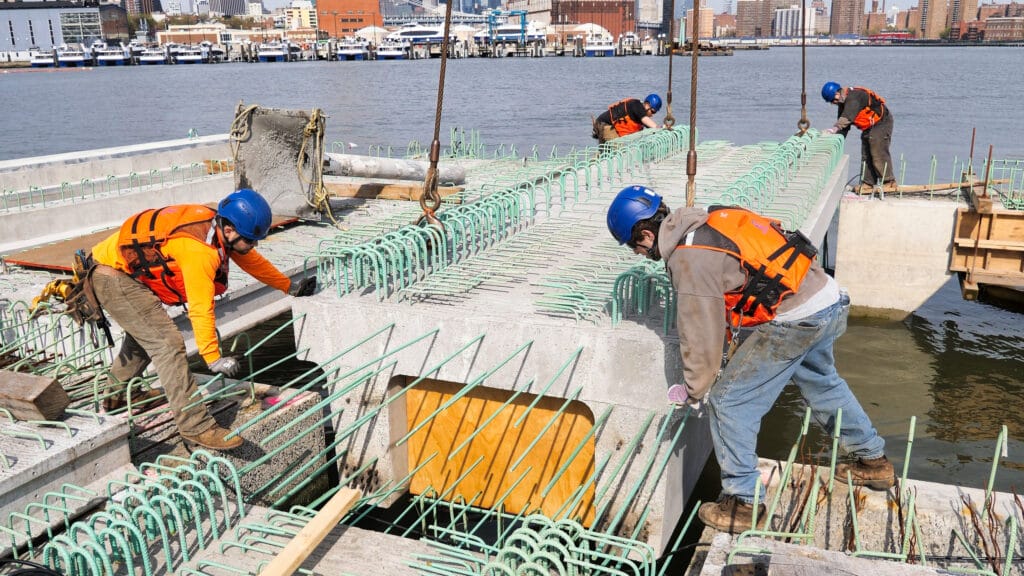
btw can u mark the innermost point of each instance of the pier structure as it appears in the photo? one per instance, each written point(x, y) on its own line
point(494, 388)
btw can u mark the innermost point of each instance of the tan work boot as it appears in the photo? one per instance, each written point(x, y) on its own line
point(731, 515)
point(875, 473)
point(213, 438)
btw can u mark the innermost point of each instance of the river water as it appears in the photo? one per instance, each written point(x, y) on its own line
point(957, 366)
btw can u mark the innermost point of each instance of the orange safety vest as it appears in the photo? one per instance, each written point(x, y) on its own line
point(621, 120)
point(872, 113)
point(143, 236)
point(775, 261)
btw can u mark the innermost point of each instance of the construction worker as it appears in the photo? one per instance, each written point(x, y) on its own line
point(868, 111)
point(745, 285)
point(179, 255)
point(626, 117)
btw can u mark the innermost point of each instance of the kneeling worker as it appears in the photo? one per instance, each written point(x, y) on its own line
point(179, 255)
point(626, 117)
point(741, 279)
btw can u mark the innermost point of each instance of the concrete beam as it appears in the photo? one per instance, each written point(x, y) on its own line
point(893, 254)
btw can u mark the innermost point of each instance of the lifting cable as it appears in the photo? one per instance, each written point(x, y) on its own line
point(430, 200)
point(670, 120)
point(691, 155)
point(804, 123)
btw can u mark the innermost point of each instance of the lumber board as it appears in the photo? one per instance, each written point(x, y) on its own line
point(944, 186)
point(384, 191)
point(298, 549)
point(32, 397)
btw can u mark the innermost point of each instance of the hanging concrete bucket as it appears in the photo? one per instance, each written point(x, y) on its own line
point(279, 153)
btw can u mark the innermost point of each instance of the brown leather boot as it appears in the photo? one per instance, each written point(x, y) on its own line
point(213, 438)
point(875, 473)
point(731, 515)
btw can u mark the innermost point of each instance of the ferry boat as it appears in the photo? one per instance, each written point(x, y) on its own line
point(214, 53)
point(413, 33)
point(513, 32)
point(41, 58)
point(598, 45)
point(70, 56)
point(153, 55)
point(352, 48)
point(189, 54)
point(272, 52)
point(107, 55)
point(392, 50)
point(629, 43)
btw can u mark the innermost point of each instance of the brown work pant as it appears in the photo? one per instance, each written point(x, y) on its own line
point(874, 152)
point(150, 335)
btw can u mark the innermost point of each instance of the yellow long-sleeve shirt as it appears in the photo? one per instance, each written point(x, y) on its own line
point(198, 262)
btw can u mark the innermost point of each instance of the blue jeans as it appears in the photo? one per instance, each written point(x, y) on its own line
point(769, 358)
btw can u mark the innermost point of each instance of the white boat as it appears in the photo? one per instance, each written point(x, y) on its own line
point(629, 43)
point(41, 58)
point(190, 54)
point(107, 55)
point(70, 56)
point(353, 48)
point(215, 52)
point(598, 45)
point(153, 55)
point(392, 50)
point(413, 33)
point(272, 52)
point(513, 32)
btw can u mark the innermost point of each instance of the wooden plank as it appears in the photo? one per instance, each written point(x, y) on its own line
point(31, 397)
point(58, 256)
point(295, 553)
point(384, 191)
point(485, 421)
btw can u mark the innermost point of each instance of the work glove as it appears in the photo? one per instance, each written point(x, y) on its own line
point(306, 287)
point(677, 394)
point(831, 130)
point(225, 365)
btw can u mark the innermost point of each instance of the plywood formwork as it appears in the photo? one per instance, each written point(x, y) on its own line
point(988, 249)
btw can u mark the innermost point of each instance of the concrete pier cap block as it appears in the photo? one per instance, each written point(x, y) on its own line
point(620, 374)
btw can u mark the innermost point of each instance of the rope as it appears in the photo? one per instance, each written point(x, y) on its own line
point(430, 200)
point(691, 155)
point(670, 120)
point(803, 124)
point(240, 129)
point(316, 193)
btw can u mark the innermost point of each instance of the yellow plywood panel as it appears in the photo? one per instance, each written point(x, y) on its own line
point(498, 444)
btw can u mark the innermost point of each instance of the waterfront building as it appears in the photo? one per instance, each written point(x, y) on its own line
point(229, 7)
point(46, 25)
point(754, 18)
point(340, 18)
point(300, 14)
point(787, 22)
point(933, 18)
point(847, 17)
point(615, 16)
point(874, 22)
point(1004, 29)
point(725, 25)
point(707, 22)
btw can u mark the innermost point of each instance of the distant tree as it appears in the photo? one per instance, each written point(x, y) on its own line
point(135, 23)
point(944, 35)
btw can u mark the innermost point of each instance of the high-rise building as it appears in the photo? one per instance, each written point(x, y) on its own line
point(787, 22)
point(847, 17)
point(933, 17)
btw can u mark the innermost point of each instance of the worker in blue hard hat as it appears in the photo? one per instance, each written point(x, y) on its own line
point(747, 287)
point(626, 117)
point(863, 108)
point(178, 255)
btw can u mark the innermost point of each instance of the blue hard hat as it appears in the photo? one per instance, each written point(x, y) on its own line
point(655, 101)
point(248, 212)
point(630, 206)
point(828, 91)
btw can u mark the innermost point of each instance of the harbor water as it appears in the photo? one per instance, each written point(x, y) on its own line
point(957, 366)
